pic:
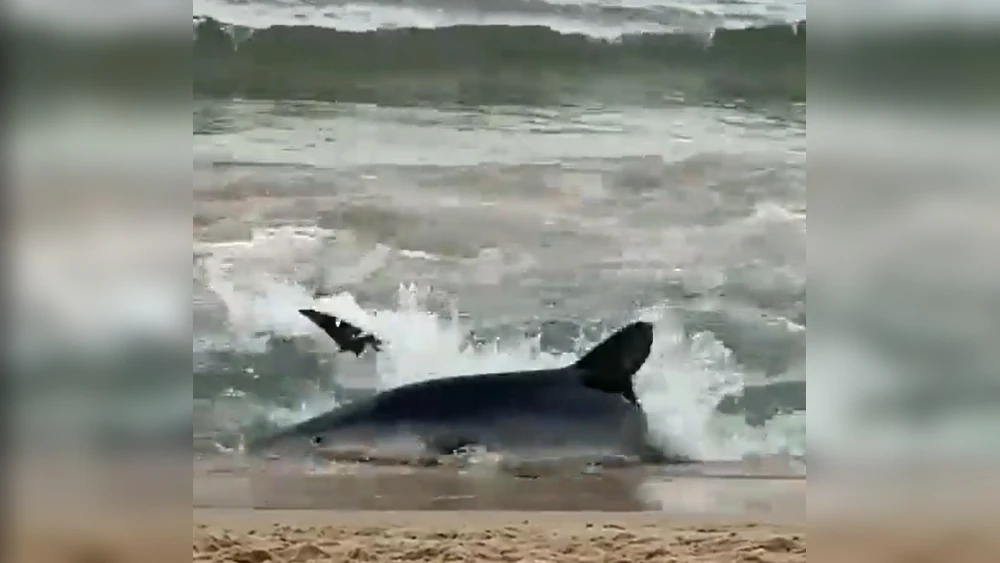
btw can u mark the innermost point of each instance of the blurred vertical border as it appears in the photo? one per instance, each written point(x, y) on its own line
point(904, 281)
point(98, 291)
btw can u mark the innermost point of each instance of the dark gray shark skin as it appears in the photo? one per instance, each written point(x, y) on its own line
point(589, 406)
point(349, 337)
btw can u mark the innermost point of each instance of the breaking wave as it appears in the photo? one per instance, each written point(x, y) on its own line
point(489, 64)
point(269, 366)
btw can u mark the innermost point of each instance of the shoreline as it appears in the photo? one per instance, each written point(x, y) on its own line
point(365, 513)
point(724, 488)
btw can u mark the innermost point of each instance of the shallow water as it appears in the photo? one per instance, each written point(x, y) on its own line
point(502, 206)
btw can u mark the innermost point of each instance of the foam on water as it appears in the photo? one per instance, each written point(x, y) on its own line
point(594, 18)
point(368, 17)
point(680, 385)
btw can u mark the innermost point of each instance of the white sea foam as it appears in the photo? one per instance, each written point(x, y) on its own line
point(680, 385)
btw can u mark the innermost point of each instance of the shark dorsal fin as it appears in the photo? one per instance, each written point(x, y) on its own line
point(610, 365)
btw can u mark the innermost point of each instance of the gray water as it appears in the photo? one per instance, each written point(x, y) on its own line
point(503, 203)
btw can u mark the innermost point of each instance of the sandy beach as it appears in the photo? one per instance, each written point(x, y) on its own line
point(442, 514)
point(557, 537)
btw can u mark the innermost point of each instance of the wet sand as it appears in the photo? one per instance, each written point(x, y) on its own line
point(550, 514)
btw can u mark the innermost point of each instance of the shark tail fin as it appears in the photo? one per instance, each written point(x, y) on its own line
point(609, 366)
point(346, 335)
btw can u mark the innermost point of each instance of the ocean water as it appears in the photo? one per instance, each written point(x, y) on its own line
point(496, 186)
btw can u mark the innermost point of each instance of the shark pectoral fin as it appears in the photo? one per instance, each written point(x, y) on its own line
point(609, 367)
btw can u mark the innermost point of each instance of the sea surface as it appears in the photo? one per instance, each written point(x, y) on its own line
point(498, 185)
